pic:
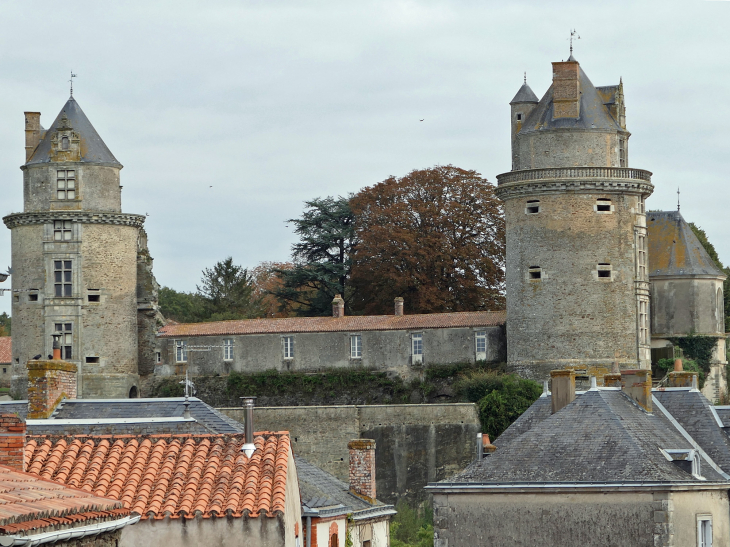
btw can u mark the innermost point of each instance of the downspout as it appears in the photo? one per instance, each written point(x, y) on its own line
point(309, 532)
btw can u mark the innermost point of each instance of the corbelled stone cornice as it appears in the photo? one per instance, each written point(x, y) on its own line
point(84, 217)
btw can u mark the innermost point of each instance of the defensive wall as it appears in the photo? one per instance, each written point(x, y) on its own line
point(416, 444)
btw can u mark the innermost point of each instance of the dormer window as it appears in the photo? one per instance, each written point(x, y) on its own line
point(687, 459)
point(65, 184)
point(64, 143)
point(533, 207)
point(603, 205)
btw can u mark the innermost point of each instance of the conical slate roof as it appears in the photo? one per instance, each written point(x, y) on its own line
point(93, 149)
point(674, 249)
point(524, 95)
point(593, 112)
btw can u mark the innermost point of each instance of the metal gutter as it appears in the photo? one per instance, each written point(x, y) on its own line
point(68, 534)
point(104, 421)
point(578, 487)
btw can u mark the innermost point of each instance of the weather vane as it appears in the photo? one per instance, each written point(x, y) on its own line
point(573, 36)
point(677, 198)
point(71, 81)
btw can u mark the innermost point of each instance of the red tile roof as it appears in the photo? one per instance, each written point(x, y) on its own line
point(6, 354)
point(170, 475)
point(337, 324)
point(30, 503)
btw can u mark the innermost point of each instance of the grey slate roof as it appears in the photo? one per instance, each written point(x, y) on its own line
point(593, 112)
point(207, 419)
point(601, 437)
point(524, 95)
point(319, 489)
point(674, 249)
point(538, 411)
point(93, 149)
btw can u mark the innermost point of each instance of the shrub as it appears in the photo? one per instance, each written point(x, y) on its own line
point(411, 527)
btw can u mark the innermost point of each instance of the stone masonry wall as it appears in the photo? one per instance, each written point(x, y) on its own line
point(416, 444)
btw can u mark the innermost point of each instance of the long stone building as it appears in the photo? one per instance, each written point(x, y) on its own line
point(78, 260)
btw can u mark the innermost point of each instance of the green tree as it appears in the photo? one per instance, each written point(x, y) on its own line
point(183, 307)
point(322, 258)
point(226, 290)
point(710, 248)
point(4, 324)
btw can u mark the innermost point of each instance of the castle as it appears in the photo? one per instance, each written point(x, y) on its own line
point(81, 270)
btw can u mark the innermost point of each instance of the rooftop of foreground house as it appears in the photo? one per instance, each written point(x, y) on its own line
point(6, 352)
point(176, 476)
point(337, 324)
point(31, 504)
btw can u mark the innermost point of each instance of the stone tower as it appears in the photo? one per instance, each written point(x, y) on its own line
point(576, 269)
point(75, 258)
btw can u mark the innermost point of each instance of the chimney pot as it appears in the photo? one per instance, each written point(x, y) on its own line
point(399, 305)
point(338, 306)
point(362, 468)
point(637, 385)
point(563, 388)
point(249, 447)
point(678, 365)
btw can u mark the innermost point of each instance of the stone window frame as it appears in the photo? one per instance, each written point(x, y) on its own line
point(518, 117)
point(63, 274)
point(66, 329)
point(64, 176)
point(704, 530)
point(228, 349)
point(602, 202)
point(535, 273)
point(356, 346)
point(181, 351)
point(287, 347)
point(603, 268)
point(532, 207)
point(158, 357)
point(63, 230)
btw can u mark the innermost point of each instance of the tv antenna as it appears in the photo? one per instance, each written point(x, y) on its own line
point(71, 81)
point(573, 36)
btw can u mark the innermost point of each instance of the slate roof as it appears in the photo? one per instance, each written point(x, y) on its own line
point(593, 112)
point(600, 437)
point(320, 490)
point(538, 411)
point(93, 149)
point(30, 503)
point(180, 476)
point(6, 354)
point(336, 324)
point(524, 95)
point(674, 249)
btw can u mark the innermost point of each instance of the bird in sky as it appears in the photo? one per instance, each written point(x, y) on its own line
point(421, 120)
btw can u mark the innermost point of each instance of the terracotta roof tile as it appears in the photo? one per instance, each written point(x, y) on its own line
point(6, 353)
point(28, 502)
point(170, 475)
point(336, 324)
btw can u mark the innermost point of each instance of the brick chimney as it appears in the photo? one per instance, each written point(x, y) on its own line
point(12, 441)
point(362, 468)
point(566, 90)
point(32, 132)
point(338, 306)
point(563, 388)
point(399, 305)
point(49, 382)
point(637, 385)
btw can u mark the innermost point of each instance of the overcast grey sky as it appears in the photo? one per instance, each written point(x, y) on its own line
point(274, 103)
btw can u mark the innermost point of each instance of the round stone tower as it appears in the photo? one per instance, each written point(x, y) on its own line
point(576, 269)
point(74, 258)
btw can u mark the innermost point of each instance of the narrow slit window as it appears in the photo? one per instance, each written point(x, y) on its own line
point(95, 298)
point(519, 116)
point(92, 360)
point(533, 206)
point(33, 297)
point(603, 205)
point(604, 270)
point(535, 272)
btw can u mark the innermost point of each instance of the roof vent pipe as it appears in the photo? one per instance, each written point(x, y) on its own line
point(248, 448)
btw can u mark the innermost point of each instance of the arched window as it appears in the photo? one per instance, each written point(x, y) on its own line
point(133, 392)
point(334, 541)
point(64, 143)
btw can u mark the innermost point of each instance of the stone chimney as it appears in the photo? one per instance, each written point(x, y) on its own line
point(612, 380)
point(32, 132)
point(563, 388)
point(338, 306)
point(49, 382)
point(399, 305)
point(637, 385)
point(566, 89)
point(362, 468)
point(12, 441)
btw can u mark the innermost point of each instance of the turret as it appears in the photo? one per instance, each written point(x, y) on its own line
point(522, 105)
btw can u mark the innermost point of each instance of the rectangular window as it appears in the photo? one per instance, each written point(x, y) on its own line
point(603, 205)
point(641, 248)
point(533, 206)
point(181, 351)
point(644, 322)
point(62, 277)
point(65, 184)
point(356, 346)
point(288, 342)
point(33, 297)
point(228, 349)
point(66, 330)
point(417, 344)
point(158, 357)
point(535, 272)
point(604, 271)
point(62, 230)
point(622, 153)
point(480, 338)
point(92, 360)
point(704, 530)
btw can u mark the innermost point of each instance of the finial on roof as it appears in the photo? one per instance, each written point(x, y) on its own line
point(524, 80)
point(573, 35)
point(677, 198)
point(71, 81)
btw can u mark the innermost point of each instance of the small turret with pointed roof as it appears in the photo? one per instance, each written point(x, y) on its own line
point(521, 106)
